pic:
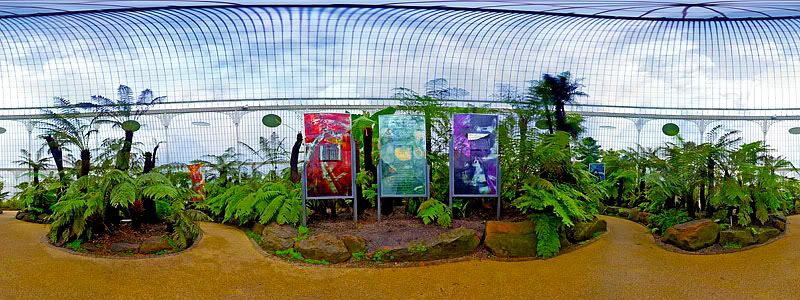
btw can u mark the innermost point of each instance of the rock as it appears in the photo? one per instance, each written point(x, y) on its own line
point(21, 215)
point(89, 247)
point(42, 219)
point(278, 237)
point(692, 235)
point(258, 228)
point(741, 237)
point(633, 214)
point(644, 218)
point(30, 218)
point(454, 243)
point(124, 247)
point(323, 246)
point(354, 243)
point(586, 230)
point(510, 239)
point(777, 222)
point(764, 234)
point(154, 244)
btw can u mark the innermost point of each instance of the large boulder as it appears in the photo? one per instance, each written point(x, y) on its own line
point(124, 247)
point(454, 243)
point(586, 230)
point(323, 246)
point(154, 245)
point(354, 243)
point(777, 222)
point(740, 237)
point(764, 234)
point(510, 239)
point(278, 237)
point(21, 215)
point(692, 235)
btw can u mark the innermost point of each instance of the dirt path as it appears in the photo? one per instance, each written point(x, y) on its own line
point(625, 263)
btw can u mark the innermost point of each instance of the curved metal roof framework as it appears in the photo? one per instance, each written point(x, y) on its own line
point(640, 73)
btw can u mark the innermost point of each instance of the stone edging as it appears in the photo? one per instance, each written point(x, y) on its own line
point(675, 249)
point(411, 264)
point(120, 257)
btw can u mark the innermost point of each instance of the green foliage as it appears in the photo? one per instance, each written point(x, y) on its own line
point(291, 253)
point(377, 256)
point(269, 151)
point(258, 200)
point(734, 246)
point(86, 203)
point(417, 249)
point(359, 256)
point(302, 233)
point(548, 241)
point(75, 246)
point(433, 210)
point(254, 236)
point(668, 218)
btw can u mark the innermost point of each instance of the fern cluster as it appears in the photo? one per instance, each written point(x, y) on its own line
point(257, 201)
point(433, 210)
point(96, 202)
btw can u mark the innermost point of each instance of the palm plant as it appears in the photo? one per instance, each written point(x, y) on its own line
point(556, 91)
point(124, 113)
point(34, 163)
point(64, 127)
point(269, 151)
point(225, 165)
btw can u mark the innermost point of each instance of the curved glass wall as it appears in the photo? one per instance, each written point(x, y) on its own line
point(225, 67)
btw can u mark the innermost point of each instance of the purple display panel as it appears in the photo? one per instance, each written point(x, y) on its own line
point(475, 155)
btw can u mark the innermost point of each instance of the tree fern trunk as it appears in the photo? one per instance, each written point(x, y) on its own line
point(86, 162)
point(124, 156)
point(35, 175)
point(294, 159)
point(57, 153)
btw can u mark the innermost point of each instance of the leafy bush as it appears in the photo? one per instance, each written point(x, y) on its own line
point(668, 219)
point(95, 202)
point(258, 201)
point(433, 210)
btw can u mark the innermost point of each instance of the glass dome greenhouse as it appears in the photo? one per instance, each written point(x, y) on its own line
point(222, 66)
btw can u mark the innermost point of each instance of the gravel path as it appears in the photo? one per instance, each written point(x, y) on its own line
point(625, 263)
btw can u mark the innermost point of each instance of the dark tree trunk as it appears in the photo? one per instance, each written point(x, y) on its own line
point(148, 165)
point(293, 160)
point(362, 202)
point(523, 129)
point(58, 155)
point(691, 206)
point(86, 162)
point(124, 156)
point(620, 191)
point(710, 171)
point(35, 175)
point(561, 116)
point(150, 214)
point(703, 198)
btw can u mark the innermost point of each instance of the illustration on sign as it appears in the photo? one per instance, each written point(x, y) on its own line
point(598, 170)
point(475, 154)
point(403, 161)
point(329, 157)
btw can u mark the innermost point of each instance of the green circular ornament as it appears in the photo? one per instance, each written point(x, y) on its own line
point(271, 120)
point(670, 129)
point(794, 130)
point(131, 125)
point(542, 124)
point(2, 130)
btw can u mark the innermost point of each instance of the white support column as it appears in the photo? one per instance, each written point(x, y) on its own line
point(639, 123)
point(166, 120)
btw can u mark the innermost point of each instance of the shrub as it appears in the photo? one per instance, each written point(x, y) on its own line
point(668, 219)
